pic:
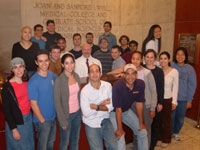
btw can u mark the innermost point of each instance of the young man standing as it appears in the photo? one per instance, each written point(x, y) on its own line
point(38, 38)
point(108, 35)
point(77, 50)
point(51, 35)
point(89, 39)
point(41, 93)
point(55, 60)
point(96, 105)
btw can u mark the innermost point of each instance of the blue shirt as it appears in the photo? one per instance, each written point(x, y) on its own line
point(123, 97)
point(40, 42)
point(187, 82)
point(41, 89)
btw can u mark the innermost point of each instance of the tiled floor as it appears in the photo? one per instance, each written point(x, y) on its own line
point(190, 138)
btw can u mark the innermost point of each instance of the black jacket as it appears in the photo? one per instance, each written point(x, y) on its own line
point(11, 110)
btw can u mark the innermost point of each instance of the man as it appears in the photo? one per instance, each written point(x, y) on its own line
point(41, 93)
point(133, 45)
point(38, 38)
point(107, 34)
point(116, 55)
point(63, 45)
point(89, 40)
point(126, 91)
point(96, 104)
point(124, 40)
point(104, 56)
point(83, 62)
point(76, 51)
point(51, 35)
point(55, 60)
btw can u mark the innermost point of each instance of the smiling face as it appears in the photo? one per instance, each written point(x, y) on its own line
point(89, 39)
point(69, 65)
point(180, 57)
point(18, 70)
point(107, 28)
point(38, 31)
point(136, 59)
point(51, 28)
point(62, 44)
point(115, 53)
point(54, 54)
point(42, 62)
point(94, 73)
point(157, 33)
point(130, 76)
point(149, 58)
point(164, 60)
point(26, 33)
point(104, 44)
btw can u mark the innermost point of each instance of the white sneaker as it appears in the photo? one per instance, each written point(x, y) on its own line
point(176, 137)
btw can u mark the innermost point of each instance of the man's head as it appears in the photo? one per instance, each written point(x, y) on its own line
point(54, 52)
point(104, 44)
point(50, 26)
point(42, 60)
point(107, 26)
point(61, 42)
point(130, 74)
point(86, 50)
point(89, 38)
point(77, 39)
point(133, 45)
point(124, 40)
point(115, 52)
point(38, 30)
point(94, 73)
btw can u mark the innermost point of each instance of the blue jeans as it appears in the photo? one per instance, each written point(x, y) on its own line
point(178, 116)
point(96, 136)
point(26, 131)
point(71, 135)
point(131, 120)
point(46, 133)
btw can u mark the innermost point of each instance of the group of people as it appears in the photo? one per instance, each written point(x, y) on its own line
point(150, 96)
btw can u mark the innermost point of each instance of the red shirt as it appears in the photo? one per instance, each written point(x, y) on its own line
point(21, 92)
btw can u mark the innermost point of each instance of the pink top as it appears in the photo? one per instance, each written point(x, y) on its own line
point(21, 92)
point(73, 98)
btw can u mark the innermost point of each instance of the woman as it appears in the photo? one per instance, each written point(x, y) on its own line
point(187, 87)
point(170, 98)
point(153, 39)
point(150, 91)
point(67, 96)
point(150, 58)
point(16, 108)
point(26, 50)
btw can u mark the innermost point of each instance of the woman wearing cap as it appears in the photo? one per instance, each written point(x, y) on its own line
point(16, 108)
point(66, 100)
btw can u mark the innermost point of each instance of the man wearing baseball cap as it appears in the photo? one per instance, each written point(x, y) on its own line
point(125, 92)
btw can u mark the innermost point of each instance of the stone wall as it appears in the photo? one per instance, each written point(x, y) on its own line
point(130, 17)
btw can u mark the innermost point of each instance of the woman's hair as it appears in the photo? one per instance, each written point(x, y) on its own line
point(184, 50)
point(150, 51)
point(138, 52)
point(167, 54)
point(66, 56)
point(24, 77)
point(124, 36)
point(150, 36)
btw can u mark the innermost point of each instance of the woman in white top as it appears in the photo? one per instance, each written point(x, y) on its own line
point(170, 98)
point(153, 39)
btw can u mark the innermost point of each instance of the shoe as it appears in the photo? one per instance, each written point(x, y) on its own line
point(163, 145)
point(176, 137)
point(158, 143)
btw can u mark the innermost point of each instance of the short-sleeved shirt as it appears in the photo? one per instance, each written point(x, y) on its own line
point(123, 97)
point(41, 89)
point(40, 42)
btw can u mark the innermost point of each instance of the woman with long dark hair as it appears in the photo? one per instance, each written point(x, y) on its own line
point(16, 108)
point(67, 103)
point(153, 39)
